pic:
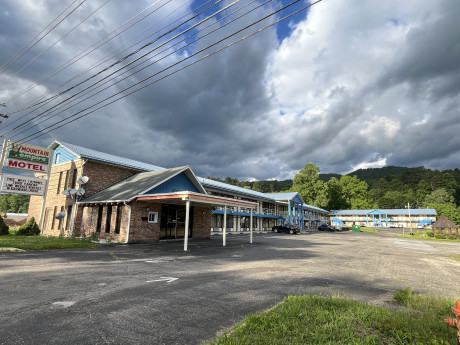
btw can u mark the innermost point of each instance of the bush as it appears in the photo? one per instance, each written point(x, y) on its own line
point(429, 233)
point(440, 237)
point(4, 229)
point(29, 229)
point(451, 237)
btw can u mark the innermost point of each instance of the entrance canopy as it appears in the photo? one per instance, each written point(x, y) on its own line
point(189, 198)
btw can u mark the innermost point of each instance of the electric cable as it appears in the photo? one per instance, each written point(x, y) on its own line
point(53, 97)
point(88, 50)
point(74, 117)
point(60, 39)
point(156, 61)
point(7, 64)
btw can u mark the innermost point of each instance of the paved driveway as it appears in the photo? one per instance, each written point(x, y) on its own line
point(158, 294)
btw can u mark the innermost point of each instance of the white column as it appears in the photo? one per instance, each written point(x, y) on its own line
point(224, 226)
point(250, 228)
point(187, 219)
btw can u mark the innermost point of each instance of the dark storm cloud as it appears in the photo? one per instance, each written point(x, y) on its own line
point(353, 85)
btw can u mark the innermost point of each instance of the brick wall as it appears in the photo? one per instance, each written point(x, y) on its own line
point(62, 176)
point(142, 230)
point(201, 222)
point(89, 222)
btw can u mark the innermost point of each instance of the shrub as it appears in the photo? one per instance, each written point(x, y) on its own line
point(440, 237)
point(4, 229)
point(29, 229)
point(430, 234)
point(451, 237)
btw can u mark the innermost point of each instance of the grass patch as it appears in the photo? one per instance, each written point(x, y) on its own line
point(363, 229)
point(43, 242)
point(455, 257)
point(313, 319)
point(423, 235)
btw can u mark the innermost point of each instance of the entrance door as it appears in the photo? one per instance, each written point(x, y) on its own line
point(173, 222)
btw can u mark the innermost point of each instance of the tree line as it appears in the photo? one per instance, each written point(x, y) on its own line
point(383, 188)
point(14, 203)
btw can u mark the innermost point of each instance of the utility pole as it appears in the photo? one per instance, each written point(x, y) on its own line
point(410, 223)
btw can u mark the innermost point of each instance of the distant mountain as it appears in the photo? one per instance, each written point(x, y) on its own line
point(371, 174)
point(327, 177)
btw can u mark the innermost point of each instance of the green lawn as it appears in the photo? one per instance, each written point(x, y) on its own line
point(318, 320)
point(363, 229)
point(42, 242)
point(422, 235)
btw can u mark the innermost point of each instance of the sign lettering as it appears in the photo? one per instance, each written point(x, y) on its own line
point(17, 184)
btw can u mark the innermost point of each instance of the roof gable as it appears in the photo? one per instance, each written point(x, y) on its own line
point(144, 183)
point(63, 155)
point(178, 183)
point(82, 152)
point(290, 196)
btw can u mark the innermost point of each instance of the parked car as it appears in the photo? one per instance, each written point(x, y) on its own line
point(325, 227)
point(292, 229)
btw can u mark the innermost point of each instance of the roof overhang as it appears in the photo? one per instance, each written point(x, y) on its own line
point(196, 198)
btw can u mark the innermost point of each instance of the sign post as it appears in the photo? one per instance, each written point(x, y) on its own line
point(28, 158)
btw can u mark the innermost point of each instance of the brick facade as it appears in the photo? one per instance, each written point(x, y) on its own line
point(202, 222)
point(64, 176)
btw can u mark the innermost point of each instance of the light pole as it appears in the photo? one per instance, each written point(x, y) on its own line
point(410, 223)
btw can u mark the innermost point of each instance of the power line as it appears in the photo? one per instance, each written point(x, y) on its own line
point(60, 39)
point(104, 59)
point(83, 93)
point(20, 54)
point(75, 118)
point(88, 50)
point(145, 54)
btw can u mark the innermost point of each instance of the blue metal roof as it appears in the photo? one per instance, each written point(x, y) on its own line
point(105, 157)
point(392, 212)
point(235, 189)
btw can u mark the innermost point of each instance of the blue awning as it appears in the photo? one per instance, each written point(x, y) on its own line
point(247, 214)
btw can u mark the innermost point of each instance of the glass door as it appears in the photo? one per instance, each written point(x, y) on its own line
point(172, 223)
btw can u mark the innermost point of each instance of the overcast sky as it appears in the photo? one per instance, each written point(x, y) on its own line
point(349, 84)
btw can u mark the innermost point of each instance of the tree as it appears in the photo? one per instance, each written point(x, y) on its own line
point(30, 228)
point(307, 183)
point(335, 196)
point(439, 196)
point(4, 228)
point(448, 210)
point(354, 192)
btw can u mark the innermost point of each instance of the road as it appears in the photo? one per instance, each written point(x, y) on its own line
point(159, 294)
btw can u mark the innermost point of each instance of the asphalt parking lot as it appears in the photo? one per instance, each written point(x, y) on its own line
point(159, 294)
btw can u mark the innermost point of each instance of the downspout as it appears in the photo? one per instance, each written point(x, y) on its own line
point(129, 221)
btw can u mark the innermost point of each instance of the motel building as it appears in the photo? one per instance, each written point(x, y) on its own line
point(387, 218)
point(129, 201)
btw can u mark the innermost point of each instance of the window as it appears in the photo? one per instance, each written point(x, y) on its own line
point(153, 217)
point(74, 178)
point(59, 183)
point(66, 183)
point(69, 215)
point(54, 217)
point(109, 218)
point(99, 218)
point(60, 219)
point(58, 158)
point(118, 220)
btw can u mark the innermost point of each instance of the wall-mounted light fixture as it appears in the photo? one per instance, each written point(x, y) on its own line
point(148, 209)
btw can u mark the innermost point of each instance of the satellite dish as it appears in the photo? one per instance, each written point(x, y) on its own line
point(66, 192)
point(72, 191)
point(80, 191)
point(83, 180)
point(60, 215)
